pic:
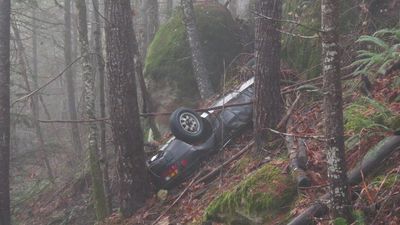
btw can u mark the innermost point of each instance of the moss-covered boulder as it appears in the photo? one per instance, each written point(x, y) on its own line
point(168, 66)
point(259, 199)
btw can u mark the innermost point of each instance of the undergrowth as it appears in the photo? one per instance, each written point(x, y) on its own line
point(382, 50)
point(366, 113)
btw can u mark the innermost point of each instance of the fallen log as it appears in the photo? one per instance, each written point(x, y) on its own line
point(369, 163)
point(297, 161)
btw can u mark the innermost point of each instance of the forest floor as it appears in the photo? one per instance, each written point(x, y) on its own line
point(185, 204)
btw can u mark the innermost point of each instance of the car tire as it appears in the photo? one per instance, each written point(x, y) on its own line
point(187, 125)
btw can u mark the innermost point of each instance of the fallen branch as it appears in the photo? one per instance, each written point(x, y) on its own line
point(198, 110)
point(177, 199)
point(215, 171)
point(368, 164)
point(293, 87)
point(319, 138)
point(298, 160)
point(75, 121)
point(297, 155)
point(289, 113)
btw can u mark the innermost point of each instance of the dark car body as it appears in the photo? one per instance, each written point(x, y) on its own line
point(176, 160)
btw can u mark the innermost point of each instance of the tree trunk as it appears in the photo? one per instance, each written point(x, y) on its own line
point(98, 48)
point(199, 67)
point(149, 24)
point(133, 180)
point(33, 102)
point(333, 110)
point(5, 218)
point(99, 198)
point(69, 75)
point(148, 104)
point(268, 100)
point(153, 20)
point(169, 9)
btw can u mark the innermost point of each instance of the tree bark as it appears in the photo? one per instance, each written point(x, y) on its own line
point(133, 180)
point(76, 140)
point(201, 72)
point(333, 110)
point(5, 218)
point(100, 67)
point(148, 104)
point(33, 102)
point(99, 198)
point(268, 100)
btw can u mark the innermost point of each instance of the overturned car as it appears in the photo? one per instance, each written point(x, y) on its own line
point(198, 136)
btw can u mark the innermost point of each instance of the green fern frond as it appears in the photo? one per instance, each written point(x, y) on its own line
point(373, 40)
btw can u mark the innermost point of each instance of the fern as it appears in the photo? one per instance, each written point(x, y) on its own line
point(367, 113)
point(385, 52)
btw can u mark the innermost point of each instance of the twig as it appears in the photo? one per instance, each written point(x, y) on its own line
point(177, 199)
point(293, 87)
point(47, 83)
point(75, 121)
point(237, 155)
point(298, 35)
point(289, 113)
point(197, 110)
point(320, 138)
point(285, 21)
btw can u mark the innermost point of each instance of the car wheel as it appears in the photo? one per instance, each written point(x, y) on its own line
point(187, 125)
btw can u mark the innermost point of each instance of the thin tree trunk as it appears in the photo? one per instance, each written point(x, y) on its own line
point(199, 66)
point(148, 104)
point(33, 101)
point(169, 9)
point(142, 30)
point(333, 110)
point(133, 180)
point(69, 75)
point(153, 20)
point(98, 48)
point(100, 203)
point(150, 23)
point(5, 217)
point(268, 100)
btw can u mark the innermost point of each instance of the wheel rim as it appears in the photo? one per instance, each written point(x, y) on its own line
point(189, 123)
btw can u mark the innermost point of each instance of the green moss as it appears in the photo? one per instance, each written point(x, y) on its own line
point(367, 113)
point(257, 199)
point(169, 59)
point(386, 181)
point(242, 164)
point(340, 221)
point(359, 217)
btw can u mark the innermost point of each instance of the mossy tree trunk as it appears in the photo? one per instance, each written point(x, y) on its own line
point(69, 75)
point(100, 71)
point(133, 180)
point(333, 110)
point(5, 217)
point(199, 66)
point(268, 100)
point(99, 198)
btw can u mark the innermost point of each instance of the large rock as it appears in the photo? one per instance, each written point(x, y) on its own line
point(259, 199)
point(168, 66)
